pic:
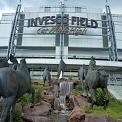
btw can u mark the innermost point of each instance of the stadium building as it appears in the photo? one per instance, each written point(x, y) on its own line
point(43, 35)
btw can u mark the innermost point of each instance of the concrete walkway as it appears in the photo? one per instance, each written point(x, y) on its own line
point(116, 91)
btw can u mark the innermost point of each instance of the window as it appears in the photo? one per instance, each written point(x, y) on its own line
point(78, 9)
point(47, 9)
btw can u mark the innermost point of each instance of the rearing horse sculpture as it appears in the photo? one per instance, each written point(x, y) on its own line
point(13, 84)
point(81, 76)
point(95, 79)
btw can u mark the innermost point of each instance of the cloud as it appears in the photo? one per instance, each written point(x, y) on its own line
point(6, 5)
point(7, 10)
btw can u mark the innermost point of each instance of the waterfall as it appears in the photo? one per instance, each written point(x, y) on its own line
point(65, 89)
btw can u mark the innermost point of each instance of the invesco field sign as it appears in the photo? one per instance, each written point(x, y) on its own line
point(64, 24)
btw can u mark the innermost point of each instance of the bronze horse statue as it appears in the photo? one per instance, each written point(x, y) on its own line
point(14, 84)
point(47, 75)
point(81, 76)
point(96, 79)
point(3, 62)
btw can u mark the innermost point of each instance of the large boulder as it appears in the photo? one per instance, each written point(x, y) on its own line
point(28, 118)
point(55, 81)
point(49, 99)
point(38, 110)
point(77, 82)
point(40, 113)
point(70, 103)
point(57, 104)
point(76, 115)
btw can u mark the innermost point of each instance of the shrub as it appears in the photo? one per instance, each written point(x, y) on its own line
point(70, 78)
point(87, 110)
point(78, 88)
point(26, 99)
point(100, 97)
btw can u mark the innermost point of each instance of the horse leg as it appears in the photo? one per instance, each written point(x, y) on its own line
point(86, 89)
point(105, 90)
point(7, 103)
point(4, 112)
point(82, 85)
point(12, 111)
point(49, 80)
point(93, 95)
point(44, 81)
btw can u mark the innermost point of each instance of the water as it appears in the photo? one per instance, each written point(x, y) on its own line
point(65, 89)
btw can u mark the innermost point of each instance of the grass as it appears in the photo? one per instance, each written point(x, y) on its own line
point(114, 110)
point(26, 99)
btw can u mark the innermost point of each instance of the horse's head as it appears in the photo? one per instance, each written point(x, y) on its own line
point(46, 68)
point(4, 62)
point(92, 63)
point(23, 61)
point(22, 65)
point(13, 59)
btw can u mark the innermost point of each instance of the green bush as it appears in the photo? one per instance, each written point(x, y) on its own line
point(38, 96)
point(100, 97)
point(26, 99)
point(114, 110)
point(70, 77)
point(78, 88)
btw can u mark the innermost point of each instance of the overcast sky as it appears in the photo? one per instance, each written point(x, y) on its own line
point(10, 5)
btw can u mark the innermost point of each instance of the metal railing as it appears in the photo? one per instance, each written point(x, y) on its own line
point(11, 45)
point(113, 48)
